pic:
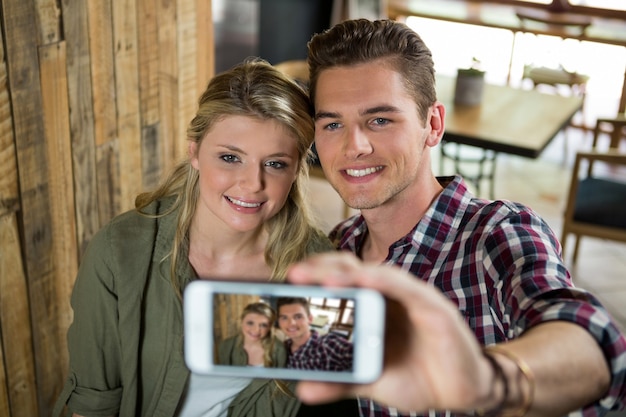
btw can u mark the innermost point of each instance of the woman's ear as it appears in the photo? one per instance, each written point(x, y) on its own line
point(192, 151)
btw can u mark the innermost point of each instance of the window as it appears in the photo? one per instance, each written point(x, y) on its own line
point(599, 7)
point(335, 314)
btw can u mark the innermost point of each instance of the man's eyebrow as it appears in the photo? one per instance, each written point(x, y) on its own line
point(372, 110)
point(381, 109)
point(326, 115)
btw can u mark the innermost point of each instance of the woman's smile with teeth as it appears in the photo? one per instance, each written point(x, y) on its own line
point(362, 172)
point(243, 203)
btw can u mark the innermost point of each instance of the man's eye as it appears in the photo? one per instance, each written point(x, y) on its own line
point(380, 121)
point(333, 126)
point(229, 158)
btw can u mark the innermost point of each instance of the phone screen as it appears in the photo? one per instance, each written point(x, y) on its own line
point(284, 331)
point(314, 333)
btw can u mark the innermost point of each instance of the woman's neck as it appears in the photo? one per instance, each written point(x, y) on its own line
point(224, 253)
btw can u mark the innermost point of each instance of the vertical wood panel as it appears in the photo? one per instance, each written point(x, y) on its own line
point(48, 21)
point(187, 84)
point(205, 56)
point(100, 27)
point(151, 156)
point(9, 196)
point(148, 40)
point(52, 60)
point(127, 98)
point(95, 98)
point(151, 136)
point(23, 71)
point(168, 79)
point(4, 395)
point(81, 113)
point(15, 319)
point(8, 204)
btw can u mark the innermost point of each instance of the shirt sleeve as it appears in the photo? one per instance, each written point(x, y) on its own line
point(339, 351)
point(537, 288)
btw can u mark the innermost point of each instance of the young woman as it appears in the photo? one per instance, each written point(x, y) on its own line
point(256, 344)
point(233, 210)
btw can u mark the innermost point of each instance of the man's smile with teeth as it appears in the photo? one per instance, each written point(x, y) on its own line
point(243, 203)
point(362, 172)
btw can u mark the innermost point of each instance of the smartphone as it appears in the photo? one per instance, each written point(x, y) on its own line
point(350, 319)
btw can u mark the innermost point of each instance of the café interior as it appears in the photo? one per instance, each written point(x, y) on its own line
point(96, 95)
point(581, 40)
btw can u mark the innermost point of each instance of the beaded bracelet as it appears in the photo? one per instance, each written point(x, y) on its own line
point(526, 372)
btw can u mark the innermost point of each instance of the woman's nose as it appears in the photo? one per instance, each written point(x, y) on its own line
point(251, 179)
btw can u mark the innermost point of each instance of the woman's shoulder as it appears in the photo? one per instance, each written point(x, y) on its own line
point(136, 225)
point(128, 236)
point(279, 353)
point(319, 243)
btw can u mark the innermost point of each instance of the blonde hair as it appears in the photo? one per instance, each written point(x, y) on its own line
point(257, 89)
point(268, 341)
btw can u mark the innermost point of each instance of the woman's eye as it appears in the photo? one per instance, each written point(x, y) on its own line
point(229, 158)
point(276, 164)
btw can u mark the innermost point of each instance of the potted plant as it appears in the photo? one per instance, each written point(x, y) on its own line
point(468, 89)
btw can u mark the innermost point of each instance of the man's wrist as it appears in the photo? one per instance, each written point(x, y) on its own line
point(516, 380)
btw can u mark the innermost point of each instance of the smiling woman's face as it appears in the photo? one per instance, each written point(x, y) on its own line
point(246, 170)
point(255, 327)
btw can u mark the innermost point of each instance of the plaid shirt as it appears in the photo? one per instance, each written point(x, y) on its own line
point(501, 264)
point(330, 352)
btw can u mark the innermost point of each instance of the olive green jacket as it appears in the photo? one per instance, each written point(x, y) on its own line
point(126, 340)
point(231, 352)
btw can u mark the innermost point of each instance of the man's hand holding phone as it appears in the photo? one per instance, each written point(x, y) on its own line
point(432, 360)
point(346, 346)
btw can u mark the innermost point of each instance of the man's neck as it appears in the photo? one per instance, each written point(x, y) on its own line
point(300, 341)
point(393, 220)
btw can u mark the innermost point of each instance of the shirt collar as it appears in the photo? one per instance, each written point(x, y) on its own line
point(429, 234)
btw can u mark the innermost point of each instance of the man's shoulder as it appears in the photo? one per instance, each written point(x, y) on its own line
point(347, 232)
point(333, 338)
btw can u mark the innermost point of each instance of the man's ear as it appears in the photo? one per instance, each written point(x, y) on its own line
point(436, 117)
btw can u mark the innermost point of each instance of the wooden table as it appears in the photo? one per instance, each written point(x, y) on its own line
point(509, 120)
point(503, 16)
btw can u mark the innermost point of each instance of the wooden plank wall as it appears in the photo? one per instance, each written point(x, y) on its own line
point(95, 97)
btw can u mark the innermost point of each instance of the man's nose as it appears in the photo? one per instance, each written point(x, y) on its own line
point(356, 143)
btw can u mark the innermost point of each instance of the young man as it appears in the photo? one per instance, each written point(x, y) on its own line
point(526, 342)
point(305, 347)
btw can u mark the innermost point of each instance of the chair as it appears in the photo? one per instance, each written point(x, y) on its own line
point(615, 127)
point(596, 204)
point(555, 77)
point(558, 21)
